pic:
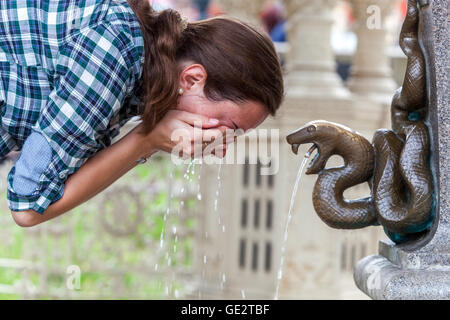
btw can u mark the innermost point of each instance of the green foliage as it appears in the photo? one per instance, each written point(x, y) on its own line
point(83, 223)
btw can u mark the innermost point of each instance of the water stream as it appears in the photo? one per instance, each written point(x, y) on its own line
point(219, 215)
point(219, 183)
point(187, 178)
point(199, 178)
point(289, 218)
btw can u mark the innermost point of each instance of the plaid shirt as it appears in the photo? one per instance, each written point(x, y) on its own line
point(68, 74)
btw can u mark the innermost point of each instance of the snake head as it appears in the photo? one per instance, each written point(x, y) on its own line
point(322, 135)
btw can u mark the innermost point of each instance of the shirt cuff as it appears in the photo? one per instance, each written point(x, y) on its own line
point(31, 184)
point(39, 200)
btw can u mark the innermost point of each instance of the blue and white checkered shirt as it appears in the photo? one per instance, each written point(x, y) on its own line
point(68, 74)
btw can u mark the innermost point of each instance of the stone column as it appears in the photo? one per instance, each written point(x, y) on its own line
point(421, 269)
point(312, 67)
point(247, 11)
point(371, 74)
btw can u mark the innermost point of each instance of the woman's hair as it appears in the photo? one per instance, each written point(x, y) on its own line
point(240, 61)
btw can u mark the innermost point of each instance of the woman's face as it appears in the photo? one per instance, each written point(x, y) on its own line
point(247, 115)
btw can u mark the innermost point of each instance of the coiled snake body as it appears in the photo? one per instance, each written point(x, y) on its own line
point(395, 165)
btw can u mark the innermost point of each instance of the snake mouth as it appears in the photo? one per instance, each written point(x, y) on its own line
point(309, 135)
point(295, 148)
point(316, 164)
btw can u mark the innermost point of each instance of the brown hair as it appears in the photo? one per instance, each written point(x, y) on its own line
point(241, 61)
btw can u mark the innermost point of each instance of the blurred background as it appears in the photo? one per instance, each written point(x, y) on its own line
point(216, 232)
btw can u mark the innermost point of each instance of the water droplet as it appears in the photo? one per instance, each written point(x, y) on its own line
point(280, 274)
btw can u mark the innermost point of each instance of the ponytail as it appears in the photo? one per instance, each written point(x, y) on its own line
point(241, 61)
point(162, 32)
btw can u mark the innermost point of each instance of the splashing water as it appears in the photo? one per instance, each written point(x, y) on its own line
point(188, 172)
point(289, 218)
point(219, 184)
point(188, 178)
point(166, 214)
point(223, 280)
point(199, 178)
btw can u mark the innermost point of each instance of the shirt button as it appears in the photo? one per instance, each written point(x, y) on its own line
point(62, 174)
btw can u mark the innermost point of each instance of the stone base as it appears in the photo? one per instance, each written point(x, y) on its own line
point(381, 279)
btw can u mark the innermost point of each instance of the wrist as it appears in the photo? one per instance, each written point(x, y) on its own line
point(144, 146)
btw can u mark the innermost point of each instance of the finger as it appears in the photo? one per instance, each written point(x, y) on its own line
point(220, 151)
point(224, 134)
point(198, 120)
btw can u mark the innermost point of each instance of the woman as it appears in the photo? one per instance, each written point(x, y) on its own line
point(73, 72)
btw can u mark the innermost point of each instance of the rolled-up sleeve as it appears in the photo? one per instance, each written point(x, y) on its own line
point(92, 80)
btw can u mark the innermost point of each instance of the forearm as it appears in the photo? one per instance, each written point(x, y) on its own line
point(98, 173)
point(110, 164)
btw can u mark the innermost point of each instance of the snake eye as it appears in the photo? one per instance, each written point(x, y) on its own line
point(311, 129)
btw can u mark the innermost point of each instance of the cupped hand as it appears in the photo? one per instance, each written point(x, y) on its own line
point(183, 132)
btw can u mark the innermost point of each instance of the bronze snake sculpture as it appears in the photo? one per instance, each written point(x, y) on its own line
point(396, 165)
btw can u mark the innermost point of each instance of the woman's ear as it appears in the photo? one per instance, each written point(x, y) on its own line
point(193, 78)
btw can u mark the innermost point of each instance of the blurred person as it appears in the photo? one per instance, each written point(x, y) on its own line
point(272, 15)
point(274, 20)
point(278, 33)
point(202, 6)
point(72, 76)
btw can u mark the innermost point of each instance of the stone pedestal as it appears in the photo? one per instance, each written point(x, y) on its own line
point(371, 74)
point(311, 63)
point(421, 269)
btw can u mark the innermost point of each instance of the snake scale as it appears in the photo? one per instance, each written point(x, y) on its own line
point(395, 164)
